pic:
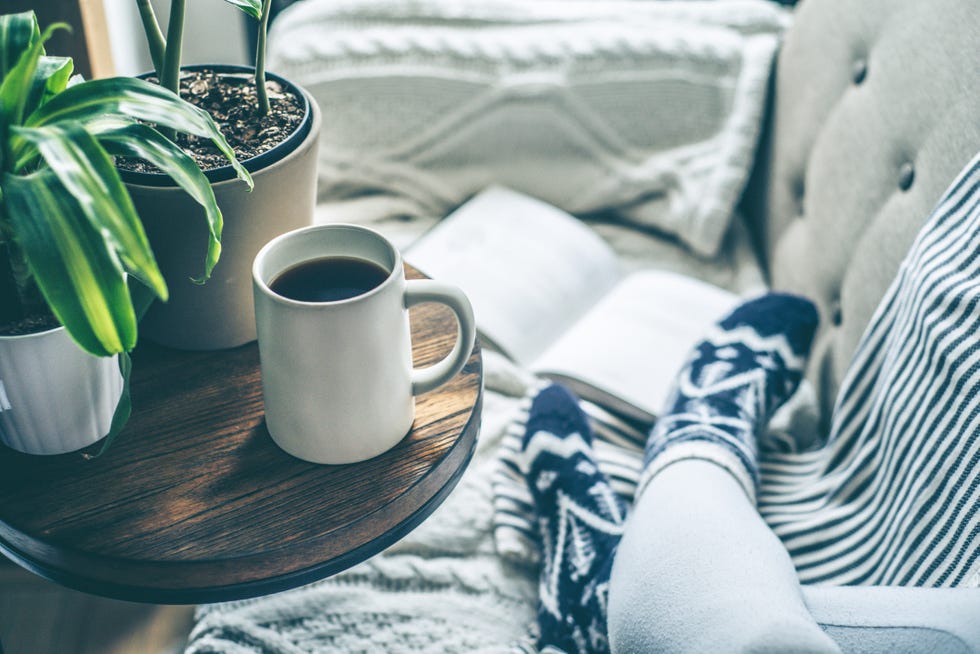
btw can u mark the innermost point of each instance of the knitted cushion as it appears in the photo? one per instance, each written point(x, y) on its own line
point(648, 109)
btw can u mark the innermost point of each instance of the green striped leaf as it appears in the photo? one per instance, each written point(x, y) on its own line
point(75, 268)
point(251, 7)
point(17, 33)
point(19, 80)
point(142, 298)
point(132, 98)
point(88, 174)
point(138, 140)
point(124, 408)
point(50, 79)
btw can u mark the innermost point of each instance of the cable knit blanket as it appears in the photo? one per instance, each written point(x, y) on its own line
point(647, 110)
point(394, 158)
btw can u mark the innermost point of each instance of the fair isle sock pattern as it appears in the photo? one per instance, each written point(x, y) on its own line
point(617, 446)
point(580, 520)
point(750, 364)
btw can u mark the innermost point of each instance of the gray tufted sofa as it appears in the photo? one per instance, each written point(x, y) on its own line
point(876, 108)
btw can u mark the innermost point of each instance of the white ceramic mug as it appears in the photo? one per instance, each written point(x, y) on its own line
point(337, 377)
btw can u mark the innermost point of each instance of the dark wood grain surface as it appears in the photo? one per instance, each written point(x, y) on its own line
point(195, 503)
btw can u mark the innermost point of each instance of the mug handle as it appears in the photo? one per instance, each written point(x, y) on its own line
point(419, 291)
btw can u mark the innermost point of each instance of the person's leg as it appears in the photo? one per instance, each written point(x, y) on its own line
point(866, 620)
point(698, 570)
point(580, 521)
point(747, 366)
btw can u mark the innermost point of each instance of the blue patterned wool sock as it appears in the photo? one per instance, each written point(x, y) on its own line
point(747, 367)
point(580, 519)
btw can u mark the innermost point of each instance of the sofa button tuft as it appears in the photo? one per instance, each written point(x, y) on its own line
point(798, 189)
point(836, 314)
point(906, 175)
point(860, 71)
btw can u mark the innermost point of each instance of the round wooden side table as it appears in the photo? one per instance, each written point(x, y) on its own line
point(195, 503)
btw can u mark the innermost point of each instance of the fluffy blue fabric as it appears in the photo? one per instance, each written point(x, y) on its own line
point(580, 519)
point(745, 369)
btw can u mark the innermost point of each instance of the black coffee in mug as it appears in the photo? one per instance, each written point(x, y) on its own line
point(328, 279)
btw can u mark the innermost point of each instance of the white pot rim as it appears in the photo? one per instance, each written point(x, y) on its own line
point(24, 337)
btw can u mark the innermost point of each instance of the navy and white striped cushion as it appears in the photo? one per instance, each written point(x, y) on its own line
point(894, 495)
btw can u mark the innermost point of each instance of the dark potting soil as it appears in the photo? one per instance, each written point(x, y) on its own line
point(29, 325)
point(230, 99)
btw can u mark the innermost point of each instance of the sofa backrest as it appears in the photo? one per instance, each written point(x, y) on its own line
point(876, 109)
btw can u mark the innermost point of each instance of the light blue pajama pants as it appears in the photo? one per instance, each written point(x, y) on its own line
point(699, 571)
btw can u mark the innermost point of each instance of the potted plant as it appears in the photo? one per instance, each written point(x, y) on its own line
point(75, 263)
point(273, 126)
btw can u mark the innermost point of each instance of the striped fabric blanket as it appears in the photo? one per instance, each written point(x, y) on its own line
point(892, 496)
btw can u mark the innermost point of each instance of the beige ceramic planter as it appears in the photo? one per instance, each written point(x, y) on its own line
point(54, 397)
point(221, 313)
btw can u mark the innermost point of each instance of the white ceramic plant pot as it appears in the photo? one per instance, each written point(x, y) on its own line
point(54, 396)
point(221, 313)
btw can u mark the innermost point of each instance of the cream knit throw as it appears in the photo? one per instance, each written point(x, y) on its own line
point(650, 110)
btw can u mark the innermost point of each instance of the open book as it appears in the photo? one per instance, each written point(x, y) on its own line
point(547, 291)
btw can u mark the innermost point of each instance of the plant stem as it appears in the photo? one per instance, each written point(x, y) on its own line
point(10, 310)
point(260, 92)
point(25, 297)
point(170, 78)
point(154, 38)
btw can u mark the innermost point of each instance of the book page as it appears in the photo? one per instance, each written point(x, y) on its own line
point(626, 352)
point(529, 269)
